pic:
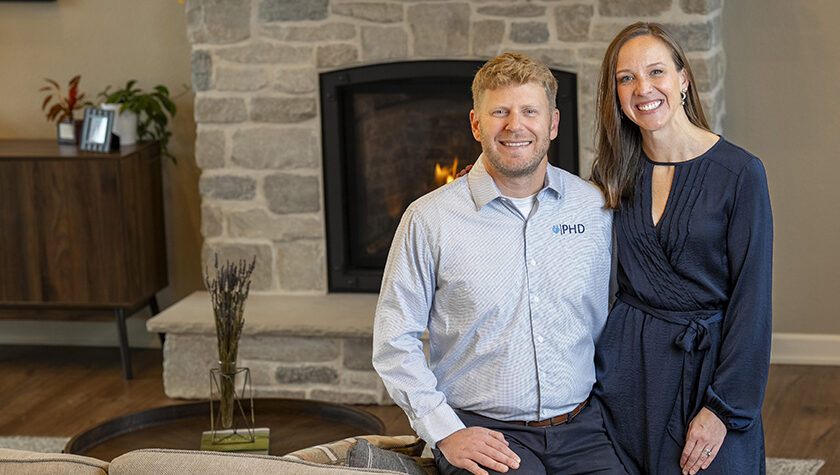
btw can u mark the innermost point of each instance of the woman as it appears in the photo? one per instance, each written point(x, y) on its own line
point(682, 362)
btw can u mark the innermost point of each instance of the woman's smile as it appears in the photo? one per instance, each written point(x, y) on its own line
point(649, 106)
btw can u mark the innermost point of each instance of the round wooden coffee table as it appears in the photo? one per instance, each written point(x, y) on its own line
point(295, 424)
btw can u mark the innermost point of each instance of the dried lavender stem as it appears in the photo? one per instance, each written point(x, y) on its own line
point(228, 292)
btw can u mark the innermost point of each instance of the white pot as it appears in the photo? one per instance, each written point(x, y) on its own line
point(125, 123)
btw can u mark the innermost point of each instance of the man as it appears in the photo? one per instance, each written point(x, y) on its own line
point(508, 269)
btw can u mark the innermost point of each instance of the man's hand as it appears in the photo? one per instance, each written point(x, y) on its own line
point(705, 436)
point(474, 447)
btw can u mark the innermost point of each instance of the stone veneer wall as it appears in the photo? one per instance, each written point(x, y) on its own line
point(255, 66)
point(332, 369)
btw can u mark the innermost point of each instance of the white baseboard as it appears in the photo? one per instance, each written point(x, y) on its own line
point(805, 349)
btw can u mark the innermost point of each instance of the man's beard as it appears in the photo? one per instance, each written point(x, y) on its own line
point(523, 170)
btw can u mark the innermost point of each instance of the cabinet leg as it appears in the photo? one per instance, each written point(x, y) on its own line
point(125, 353)
point(155, 309)
point(153, 305)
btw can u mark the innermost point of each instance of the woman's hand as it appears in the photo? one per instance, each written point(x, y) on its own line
point(705, 436)
point(464, 171)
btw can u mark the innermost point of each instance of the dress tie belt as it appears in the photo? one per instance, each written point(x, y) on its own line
point(696, 322)
point(696, 375)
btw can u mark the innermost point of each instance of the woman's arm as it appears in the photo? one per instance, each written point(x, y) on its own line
point(733, 400)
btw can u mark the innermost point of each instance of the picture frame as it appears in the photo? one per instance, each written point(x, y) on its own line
point(67, 132)
point(97, 130)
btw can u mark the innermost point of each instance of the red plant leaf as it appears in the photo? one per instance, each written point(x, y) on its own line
point(71, 95)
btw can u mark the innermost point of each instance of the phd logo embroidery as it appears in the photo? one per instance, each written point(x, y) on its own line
point(562, 229)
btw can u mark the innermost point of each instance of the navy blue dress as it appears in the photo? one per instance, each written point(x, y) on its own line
point(691, 325)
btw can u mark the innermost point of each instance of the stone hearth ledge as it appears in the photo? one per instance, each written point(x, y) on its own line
point(305, 347)
point(330, 315)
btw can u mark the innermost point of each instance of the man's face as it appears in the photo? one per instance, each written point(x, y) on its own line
point(515, 125)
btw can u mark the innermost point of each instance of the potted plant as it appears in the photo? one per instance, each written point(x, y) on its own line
point(150, 111)
point(60, 108)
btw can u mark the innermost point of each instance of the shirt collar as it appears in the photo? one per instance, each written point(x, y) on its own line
point(484, 190)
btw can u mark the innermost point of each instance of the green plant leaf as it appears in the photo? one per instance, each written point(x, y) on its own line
point(151, 108)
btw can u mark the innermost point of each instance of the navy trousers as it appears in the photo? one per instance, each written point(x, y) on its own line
point(579, 446)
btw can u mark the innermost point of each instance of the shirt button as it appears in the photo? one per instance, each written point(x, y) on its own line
point(535, 298)
point(533, 262)
point(540, 339)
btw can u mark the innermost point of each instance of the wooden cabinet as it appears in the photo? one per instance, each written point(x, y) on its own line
point(81, 233)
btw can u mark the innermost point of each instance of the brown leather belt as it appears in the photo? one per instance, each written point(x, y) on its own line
point(553, 421)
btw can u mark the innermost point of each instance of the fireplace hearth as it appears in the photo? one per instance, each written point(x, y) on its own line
point(391, 133)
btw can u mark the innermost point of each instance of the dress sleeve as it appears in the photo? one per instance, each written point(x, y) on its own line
point(402, 316)
point(737, 390)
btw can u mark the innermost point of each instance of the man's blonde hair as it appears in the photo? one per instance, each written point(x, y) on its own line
point(513, 68)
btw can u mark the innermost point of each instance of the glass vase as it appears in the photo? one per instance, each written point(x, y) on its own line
point(231, 404)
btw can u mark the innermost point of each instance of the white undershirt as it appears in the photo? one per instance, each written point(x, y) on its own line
point(524, 205)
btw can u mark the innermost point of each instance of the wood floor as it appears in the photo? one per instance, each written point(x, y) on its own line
point(59, 391)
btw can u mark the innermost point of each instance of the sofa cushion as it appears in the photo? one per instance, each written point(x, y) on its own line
point(189, 462)
point(364, 455)
point(335, 453)
point(24, 462)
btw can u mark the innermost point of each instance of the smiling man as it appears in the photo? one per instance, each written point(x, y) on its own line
point(513, 300)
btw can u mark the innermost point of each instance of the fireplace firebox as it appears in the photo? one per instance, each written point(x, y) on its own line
point(391, 133)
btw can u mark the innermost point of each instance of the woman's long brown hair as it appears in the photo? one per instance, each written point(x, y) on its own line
point(619, 142)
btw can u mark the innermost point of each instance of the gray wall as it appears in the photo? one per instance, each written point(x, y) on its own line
point(783, 63)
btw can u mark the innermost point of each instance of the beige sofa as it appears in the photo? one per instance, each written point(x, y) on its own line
point(327, 459)
point(164, 462)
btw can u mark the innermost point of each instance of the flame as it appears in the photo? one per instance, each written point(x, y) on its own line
point(444, 175)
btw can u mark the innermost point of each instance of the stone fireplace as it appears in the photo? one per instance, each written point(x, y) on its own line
point(255, 70)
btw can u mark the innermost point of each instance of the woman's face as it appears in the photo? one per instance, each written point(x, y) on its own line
point(648, 83)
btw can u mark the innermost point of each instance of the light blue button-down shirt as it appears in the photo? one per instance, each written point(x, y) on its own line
point(513, 304)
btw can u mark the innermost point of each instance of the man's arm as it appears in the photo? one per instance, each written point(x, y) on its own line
point(402, 315)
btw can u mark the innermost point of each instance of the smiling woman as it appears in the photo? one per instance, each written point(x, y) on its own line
point(694, 240)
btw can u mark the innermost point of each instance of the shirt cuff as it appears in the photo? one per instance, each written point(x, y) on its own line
point(438, 424)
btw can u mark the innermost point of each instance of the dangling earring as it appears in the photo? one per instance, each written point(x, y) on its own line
point(684, 95)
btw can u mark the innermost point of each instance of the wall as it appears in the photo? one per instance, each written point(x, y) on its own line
point(107, 42)
point(783, 61)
